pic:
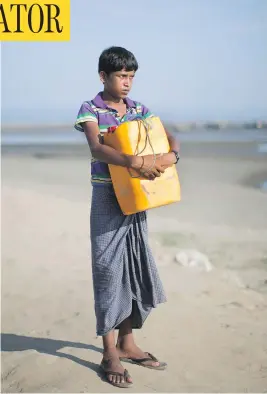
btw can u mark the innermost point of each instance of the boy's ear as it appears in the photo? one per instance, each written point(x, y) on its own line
point(103, 76)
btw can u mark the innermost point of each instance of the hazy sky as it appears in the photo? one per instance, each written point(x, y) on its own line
point(199, 59)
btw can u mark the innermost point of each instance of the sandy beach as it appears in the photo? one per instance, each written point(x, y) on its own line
point(212, 332)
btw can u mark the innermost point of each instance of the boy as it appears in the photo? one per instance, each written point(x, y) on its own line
point(125, 278)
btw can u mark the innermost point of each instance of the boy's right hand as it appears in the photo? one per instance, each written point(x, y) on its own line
point(144, 166)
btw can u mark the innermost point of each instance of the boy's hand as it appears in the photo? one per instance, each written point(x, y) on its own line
point(147, 167)
point(167, 159)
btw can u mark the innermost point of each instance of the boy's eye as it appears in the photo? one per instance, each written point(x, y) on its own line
point(126, 76)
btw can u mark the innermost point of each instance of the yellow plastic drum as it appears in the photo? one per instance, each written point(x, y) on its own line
point(142, 137)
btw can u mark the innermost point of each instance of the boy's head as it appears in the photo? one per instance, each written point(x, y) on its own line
point(117, 68)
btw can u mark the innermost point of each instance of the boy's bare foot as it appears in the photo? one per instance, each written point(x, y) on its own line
point(111, 363)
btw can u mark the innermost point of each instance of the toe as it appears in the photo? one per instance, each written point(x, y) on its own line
point(129, 379)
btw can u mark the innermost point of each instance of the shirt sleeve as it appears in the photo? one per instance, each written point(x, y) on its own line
point(146, 113)
point(85, 114)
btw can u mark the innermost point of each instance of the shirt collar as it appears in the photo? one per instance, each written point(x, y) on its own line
point(99, 102)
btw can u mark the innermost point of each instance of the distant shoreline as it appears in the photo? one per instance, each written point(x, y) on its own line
point(173, 126)
point(22, 127)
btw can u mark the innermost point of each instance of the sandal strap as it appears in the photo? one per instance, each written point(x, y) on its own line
point(152, 357)
point(142, 360)
point(124, 375)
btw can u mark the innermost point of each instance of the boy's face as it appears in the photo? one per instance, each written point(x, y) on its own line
point(118, 83)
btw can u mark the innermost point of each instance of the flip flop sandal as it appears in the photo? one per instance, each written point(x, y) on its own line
point(125, 375)
point(142, 362)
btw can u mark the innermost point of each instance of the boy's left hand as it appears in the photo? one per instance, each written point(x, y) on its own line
point(167, 159)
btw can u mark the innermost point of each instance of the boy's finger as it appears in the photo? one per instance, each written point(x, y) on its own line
point(157, 172)
point(160, 169)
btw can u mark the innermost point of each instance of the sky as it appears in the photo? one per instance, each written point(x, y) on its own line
point(199, 60)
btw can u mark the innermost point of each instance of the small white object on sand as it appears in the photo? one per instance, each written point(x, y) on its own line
point(193, 259)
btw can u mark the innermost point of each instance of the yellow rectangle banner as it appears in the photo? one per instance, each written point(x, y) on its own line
point(27, 20)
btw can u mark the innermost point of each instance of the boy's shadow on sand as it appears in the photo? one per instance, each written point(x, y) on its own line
point(19, 343)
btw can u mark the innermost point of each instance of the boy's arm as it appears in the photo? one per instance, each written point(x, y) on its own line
point(105, 153)
point(108, 155)
point(87, 122)
point(168, 159)
point(174, 144)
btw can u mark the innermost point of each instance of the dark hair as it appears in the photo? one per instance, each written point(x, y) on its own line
point(116, 59)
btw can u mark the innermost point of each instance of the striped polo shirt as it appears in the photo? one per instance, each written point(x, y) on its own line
point(97, 111)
